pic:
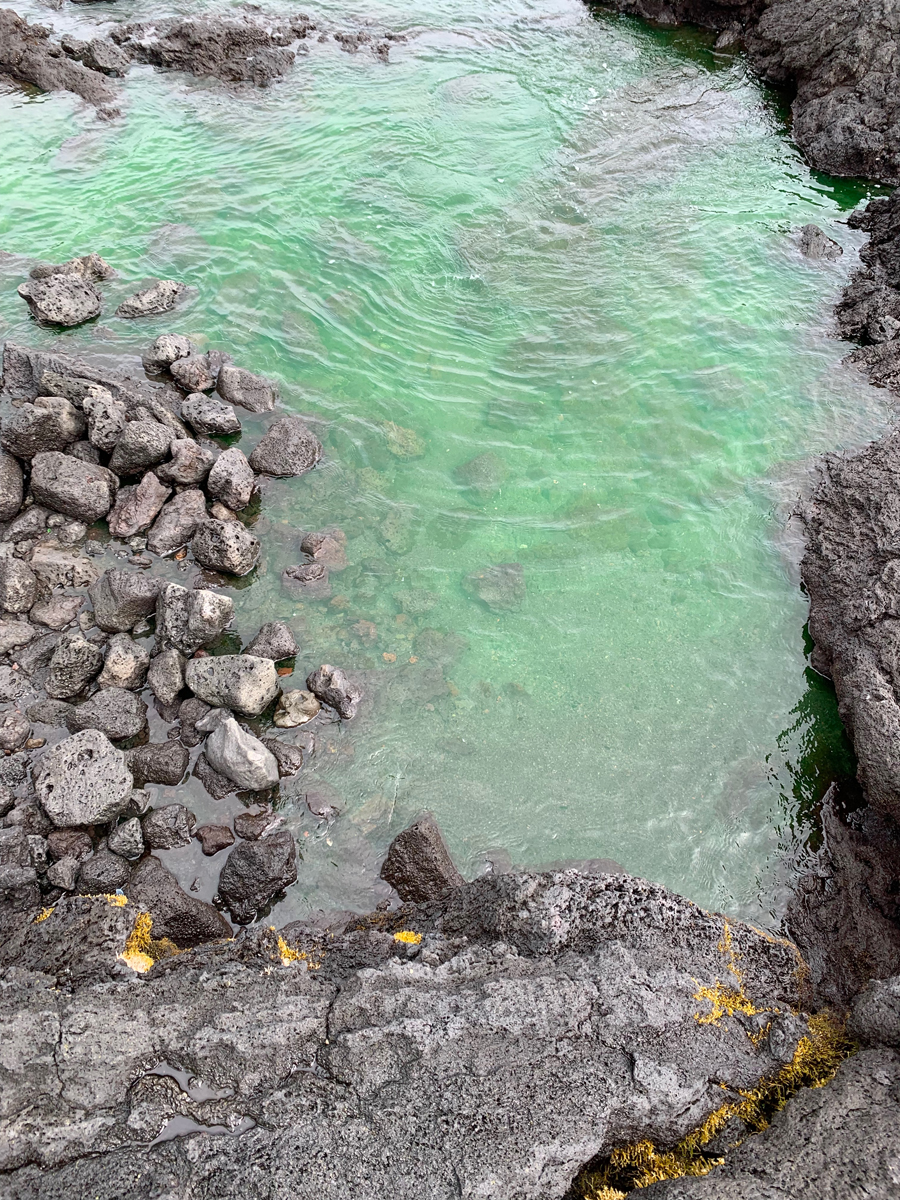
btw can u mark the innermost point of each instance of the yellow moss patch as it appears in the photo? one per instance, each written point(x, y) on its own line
point(290, 955)
point(141, 950)
point(408, 936)
point(43, 915)
point(726, 999)
point(817, 1057)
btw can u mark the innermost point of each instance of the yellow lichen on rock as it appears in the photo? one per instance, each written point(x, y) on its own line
point(408, 936)
point(290, 955)
point(141, 950)
point(726, 1000)
point(43, 915)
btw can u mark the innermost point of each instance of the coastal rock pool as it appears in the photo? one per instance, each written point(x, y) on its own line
point(562, 245)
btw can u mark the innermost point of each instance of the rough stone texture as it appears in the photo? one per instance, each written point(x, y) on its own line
point(418, 865)
point(158, 762)
point(195, 373)
point(187, 620)
point(18, 585)
point(295, 707)
point(310, 580)
point(176, 915)
point(226, 546)
point(231, 480)
point(232, 49)
point(141, 444)
point(102, 874)
point(501, 588)
point(274, 640)
point(160, 297)
point(816, 244)
point(167, 348)
point(15, 730)
point(178, 522)
point(71, 486)
point(213, 838)
point(391, 1063)
point(119, 714)
point(18, 878)
point(166, 675)
point(50, 423)
point(62, 299)
point(106, 419)
point(26, 53)
point(875, 1015)
point(331, 686)
point(89, 266)
point(869, 311)
point(327, 546)
point(208, 415)
point(12, 487)
point(125, 665)
point(190, 462)
point(289, 758)
point(127, 839)
point(832, 1143)
point(288, 448)
point(83, 780)
point(238, 755)
point(14, 635)
point(56, 612)
point(241, 682)
point(218, 785)
point(237, 386)
point(136, 508)
point(74, 664)
point(255, 872)
point(169, 826)
point(123, 598)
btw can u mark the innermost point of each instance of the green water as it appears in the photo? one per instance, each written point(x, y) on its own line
point(563, 238)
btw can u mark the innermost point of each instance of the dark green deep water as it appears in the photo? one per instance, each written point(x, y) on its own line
point(565, 239)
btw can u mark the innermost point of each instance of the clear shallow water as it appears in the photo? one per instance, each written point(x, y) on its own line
point(562, 238)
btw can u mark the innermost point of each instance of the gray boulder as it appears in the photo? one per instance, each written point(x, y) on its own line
point(501, 588)
point(136, 508)
point(167, 348)
point(68, 485)
point(125, 665)
point(30, 523)
point(56, 612)
point(331, 686)
point(102, 874)
point(226, 546)
point(18, 878)
point(141, 444)
point(50, 423)
point(15, 730)
point(189, 463)
point(70, 843)
point(191, 711)
point(117, 713)
point(167, 827)
point(106, 419)
point(188, 620)
point(63, 873)
point(74, 664)
point(14, 635)
point(178, 521)
point(61, 299)
point(122, 599)
point(160, 297)
point(237, 754)
point(309, 580)
point(241, 682)
point(295, 707)
point(88, 266)
point(208, 415)
point(166, 675)
point(158, 762)
point(195, 373)
point(231, 480)
point(288, 448)
point(83, 780)
point(255, 872)
point(816, 244)
point(252, 392)
point(213, 838)
point(274, 640)
point(12, 487)
point(289, 758)
point(18, 585)
point(127, 840)
point(418, 865)
point(176, 915)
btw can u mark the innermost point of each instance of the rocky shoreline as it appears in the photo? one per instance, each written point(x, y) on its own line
point(521, 1035)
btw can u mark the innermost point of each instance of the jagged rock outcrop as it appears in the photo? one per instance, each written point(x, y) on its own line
point(360, 1063)
point(27, 53)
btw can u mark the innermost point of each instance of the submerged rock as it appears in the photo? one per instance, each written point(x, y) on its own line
point(255, 872)
point(816, 244)
point(62, 299)
point(83, 780)
point(501, 588)
point(418, 865)
point(160, 297)
point(310, 580)
point(288, 448)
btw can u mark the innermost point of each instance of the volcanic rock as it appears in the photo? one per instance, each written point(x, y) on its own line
point(190, 462)
point(241, 682)
point(231, 480)
point(226, 546)
point(288, 448)
point(141, 444)
point(237, 754)
point(18, 585)
point(68, 485)
point(136, 507)
point(167, 827)
point(62, 299)
point(274, 640)
point(176, 915)
point(252, 392)
point(83, 780)
point(178, 521)
point(208, 415)
point(123, 598)
point(125, 666)
point(160, 297)
point(331, 686)
point(255, 872)
point(418, 865)
point(50, 423)
point(187, 620)
point(158, 762)
point(117, 713)
point(12, 488)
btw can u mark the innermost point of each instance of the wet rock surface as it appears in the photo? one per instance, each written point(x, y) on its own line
point(411, 1048)
point(255, 872)
point(418, 865)
point(27, 53)
point(62, 299)
point(83, 780)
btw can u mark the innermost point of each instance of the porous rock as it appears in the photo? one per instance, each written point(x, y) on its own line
point(331, 686)
point(166, 675)
point(208, 415)
point(50, 423)
point(118, 713)
point(178, 521)
point(231, 480)
point(255, 872)
point(141, 444)
point(176, 915)
point(125, 665)
point(62, 299)
point(288, 448)
point(126, 839)
point(75, 662)
point(418, 865)
point(295, 707)
point(327, 546)
point(106, 418)
point(310, 580)
point(103, 874)
point(123, 598)
point(226, 546)
point(88, 266)
point(15, 730)
point(160, 297)
point(816, 244)
point(237, 754)
point(167, 348)
point(242, 682)
point(12, 487)
point(274, 640)
point(167, 827)
point(213, 838)
point(69, 485)
point(18, 585)
point(187, 620)
point(195, 373)
point(158, 762)
point(189, 463)
point(136, 507)
point(56, 612)
point(237, 386)
point(83, 780)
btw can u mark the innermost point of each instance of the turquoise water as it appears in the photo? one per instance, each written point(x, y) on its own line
point(562, 238)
